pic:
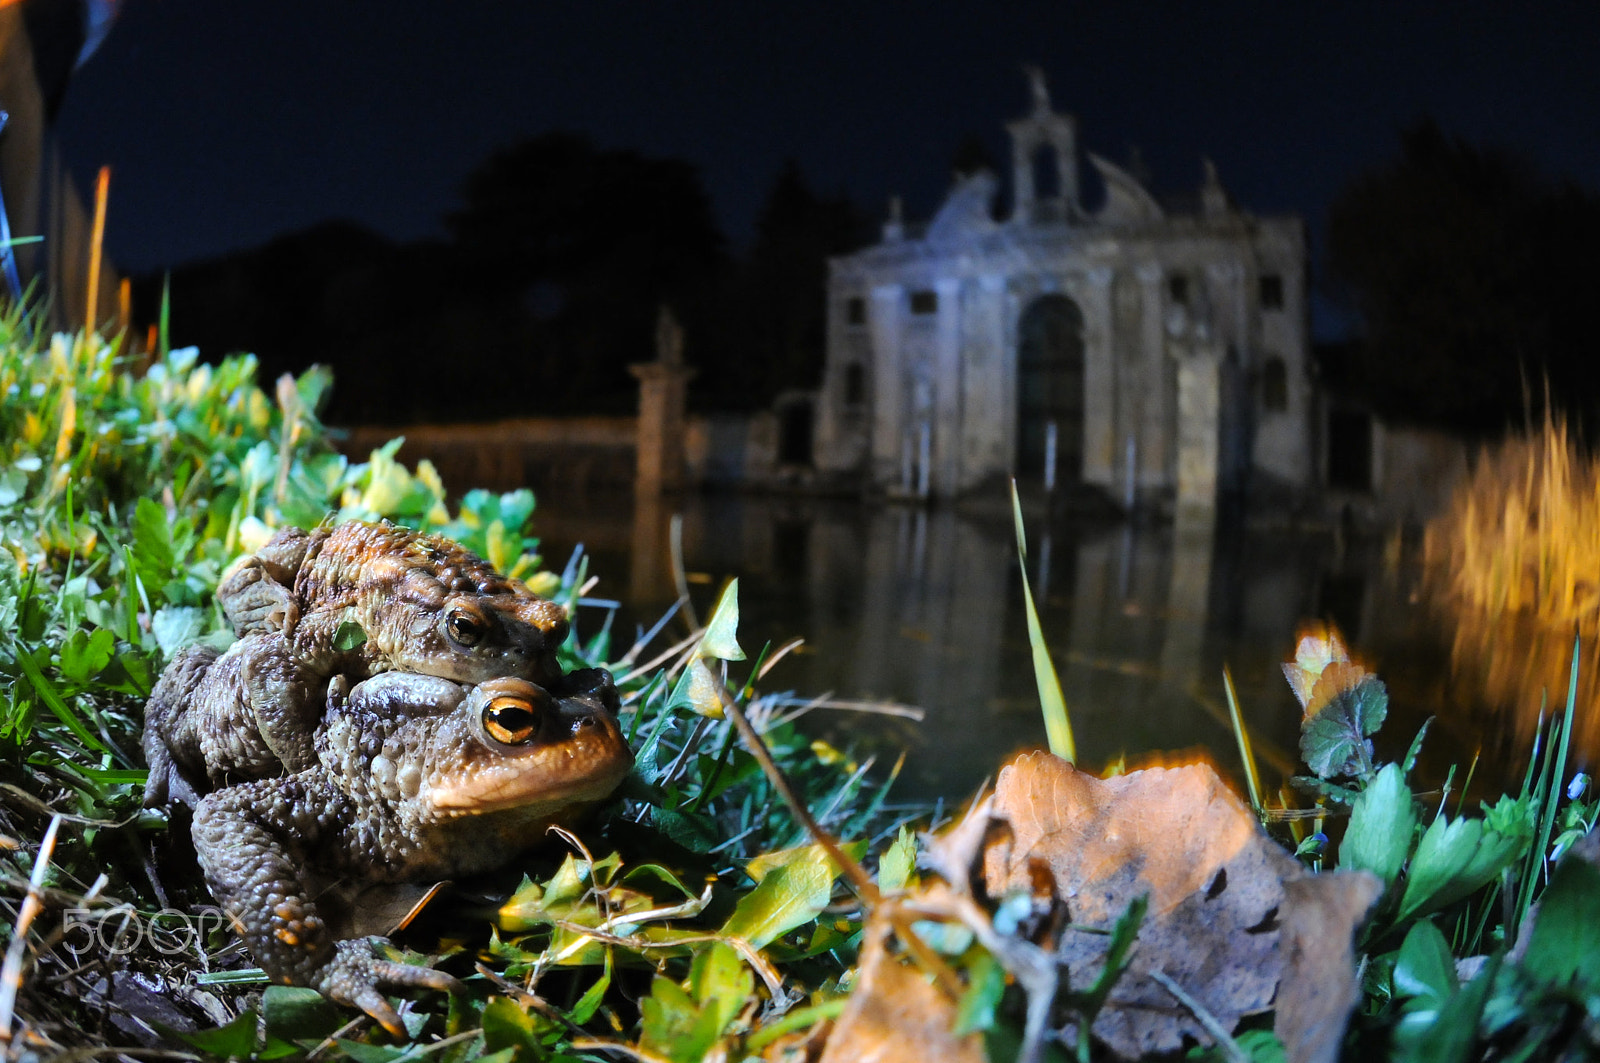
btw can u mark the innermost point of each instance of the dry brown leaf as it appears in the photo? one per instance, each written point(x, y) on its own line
point(954, 853)
point(1318, 987)
point(895, 1015)
point(1216, 885)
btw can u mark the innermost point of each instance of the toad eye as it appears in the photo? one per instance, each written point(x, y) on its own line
point(464, 628)
point(511, 721)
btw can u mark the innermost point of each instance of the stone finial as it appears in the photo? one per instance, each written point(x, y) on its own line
point(1041, 89)
point(1214, 200)
point(669, 337)
point(895, 227)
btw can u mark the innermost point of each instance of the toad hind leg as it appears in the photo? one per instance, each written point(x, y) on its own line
point(251, 841)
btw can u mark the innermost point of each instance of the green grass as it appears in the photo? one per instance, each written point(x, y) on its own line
point(123, 495)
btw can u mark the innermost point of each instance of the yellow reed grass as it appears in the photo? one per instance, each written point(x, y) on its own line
point(1523, 534)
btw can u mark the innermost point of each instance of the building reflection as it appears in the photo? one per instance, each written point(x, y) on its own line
point(924, 607)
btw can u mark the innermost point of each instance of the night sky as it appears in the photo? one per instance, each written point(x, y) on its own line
point(227, 124)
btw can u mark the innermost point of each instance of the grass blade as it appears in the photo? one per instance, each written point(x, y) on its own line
point(1057, 725)
point(1252, 778)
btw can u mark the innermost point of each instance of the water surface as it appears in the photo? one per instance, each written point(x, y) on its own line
point(924, 607)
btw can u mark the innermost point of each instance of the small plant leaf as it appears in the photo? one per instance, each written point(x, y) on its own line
point(296, 1013)
point(1381, 825)
point(237, 1040)
point(1564, 948)
point(175, 626)
point(1333, 742)
point(348, 636)
point(898, 862)
point(985, 985)
point(720, 641)
point(86, 654)
point(1454, 859)
point(795, 885)
point(699, 690)
point(1424, 968)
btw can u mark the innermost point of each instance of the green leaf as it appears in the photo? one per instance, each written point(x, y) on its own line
point(1381, 825)
point(898, 862)
point(296, 1013)
point(986, 983)
point(720, 641)
point(152, 543)
point(696, 833)
point(1455, 859)
point(1425, 969)
point(361, 1052)
point(506, 1024)
point(794, 887)
point(592, 998)
point(699, 690)
point(1052, 702)
point(1334, 741)
point(670, 1024)
point(237, 1040)
point(1565, 944)
point(85, 654)
point(1451, 1035)
point(175, 626)
point(721, 984)
point(348, 636)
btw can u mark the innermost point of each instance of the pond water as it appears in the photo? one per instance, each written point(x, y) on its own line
point(923, 607)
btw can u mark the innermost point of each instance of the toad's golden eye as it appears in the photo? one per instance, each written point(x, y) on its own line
point(464, 628)
point(511, 721)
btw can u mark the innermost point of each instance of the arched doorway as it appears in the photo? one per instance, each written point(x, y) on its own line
point(1050, 388)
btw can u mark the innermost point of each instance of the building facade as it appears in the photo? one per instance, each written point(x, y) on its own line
point(1157, 353)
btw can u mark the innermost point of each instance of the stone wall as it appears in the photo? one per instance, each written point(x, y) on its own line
point(574, 453)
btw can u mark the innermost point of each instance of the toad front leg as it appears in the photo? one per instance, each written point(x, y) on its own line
point(257, 591)
point(252, 841)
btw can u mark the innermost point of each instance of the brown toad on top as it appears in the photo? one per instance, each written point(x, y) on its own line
point(417, 778)
point(357, 599)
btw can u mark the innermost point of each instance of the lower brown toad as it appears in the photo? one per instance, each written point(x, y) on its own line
point(417, 778)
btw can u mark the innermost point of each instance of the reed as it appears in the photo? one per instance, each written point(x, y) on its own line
point(1523, 534)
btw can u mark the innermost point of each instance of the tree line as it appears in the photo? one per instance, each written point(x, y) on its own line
point(545, 289)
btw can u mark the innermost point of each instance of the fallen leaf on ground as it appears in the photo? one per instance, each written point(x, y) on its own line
point(895, 1014)
point(1218, 899)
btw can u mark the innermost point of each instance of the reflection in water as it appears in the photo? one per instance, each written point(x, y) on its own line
point(1523, 668)
point(924, 607)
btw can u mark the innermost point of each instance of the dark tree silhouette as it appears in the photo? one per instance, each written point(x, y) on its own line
point(775, 311)
point(1468, 272)
point(589, 243)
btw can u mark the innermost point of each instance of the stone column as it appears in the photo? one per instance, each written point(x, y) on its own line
point(1151, 423)
point(888, 385)
point(988, 406)
point(1199, 413)
point(1099, 389)
point(946, 454)
point(663, 397)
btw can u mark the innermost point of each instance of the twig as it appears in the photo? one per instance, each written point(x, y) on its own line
point(1225, 1041)
point(11, 970)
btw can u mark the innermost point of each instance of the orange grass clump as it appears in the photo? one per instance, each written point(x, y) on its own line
point(1523, 534)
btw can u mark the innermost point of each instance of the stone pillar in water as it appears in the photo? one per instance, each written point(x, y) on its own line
point(663, 398)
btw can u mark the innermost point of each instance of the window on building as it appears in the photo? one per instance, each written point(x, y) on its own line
point(1272, 291)
point(855, 385)
point(1274, 385)
point(1178, 288)
point(925, 302)
point(855, 310)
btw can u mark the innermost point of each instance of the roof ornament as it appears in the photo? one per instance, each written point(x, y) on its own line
point(1041, 90)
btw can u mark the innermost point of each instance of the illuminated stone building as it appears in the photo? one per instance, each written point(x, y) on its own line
point(1159, 353)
